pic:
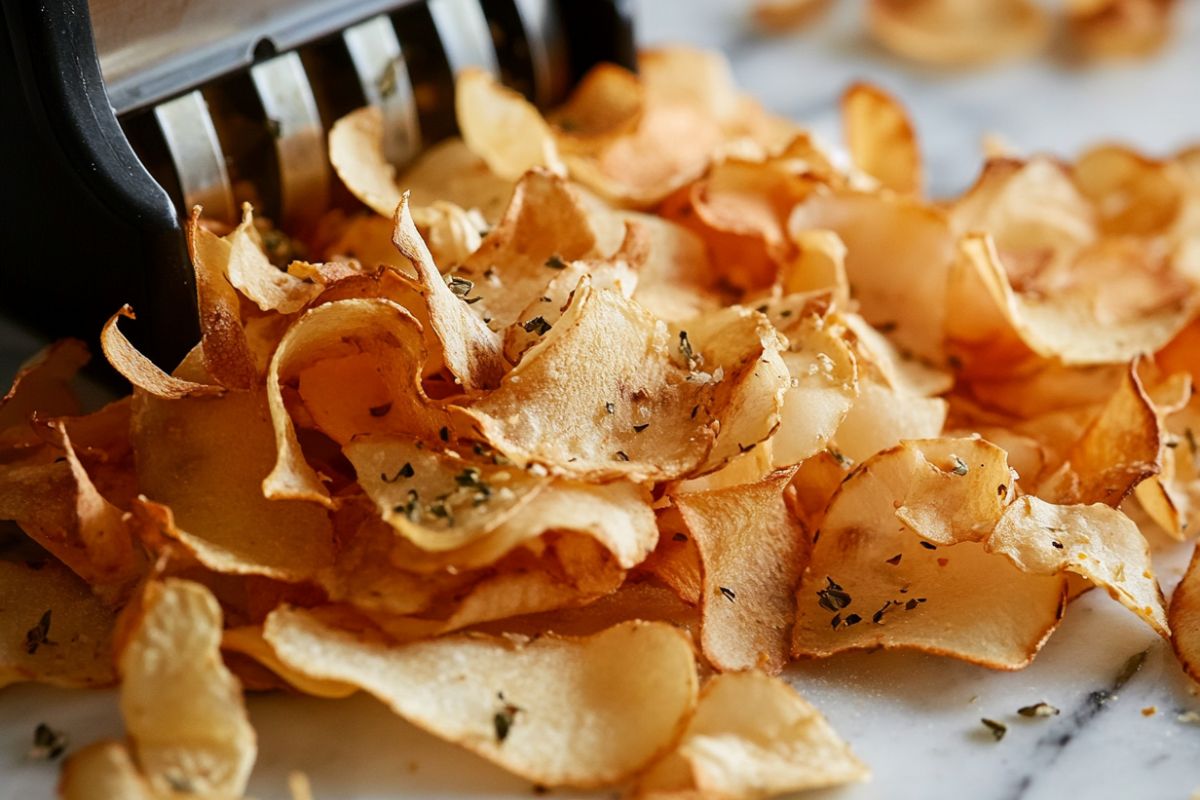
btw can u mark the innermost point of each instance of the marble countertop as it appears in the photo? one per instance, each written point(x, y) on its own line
point(915, 719)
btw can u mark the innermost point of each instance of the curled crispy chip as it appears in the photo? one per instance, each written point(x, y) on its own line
point(59, 507)
point(1133, 195)
point(776, 15)
point(881, 138)
point(54, 630)
point(751, 552)
point(356, 152)
point(1096, 542)
point(437, 500)
point(876, 578)
point(556, 710)
point(752, 736)
point(42, 384)
point(183, 710)
point(140, 370)
point(1119, 28)
point(470, 349)
point(823, 389)
point(191, 451)
point(227, 356)
point(501, 126)
point(1184, 619)
point(882, 416)
point(376, 327)
point(253, 274)
point(104, 771)
point(953, 32)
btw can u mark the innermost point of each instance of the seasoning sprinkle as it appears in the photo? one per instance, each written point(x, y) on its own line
point(48, 744)
point(832, 597)
point(503, 719)
point(460, 286)
point(555, 262)
point(685, 348)
point(1042, 709)
point(746, 448)
point(404, 472)
point(379, 411)
point(640, 428)
point(444, 434)
point(853, 619)
point(537, 325)
point(611, 408)
point(960, 466)
point(730, 595)
point(38, 635)
point(622, 455)
point(680, 537)
point(998, 729)
point(928, 545)
point(894, 560)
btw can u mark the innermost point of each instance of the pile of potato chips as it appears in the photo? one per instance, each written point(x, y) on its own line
point(956, 33)
point(596, 422)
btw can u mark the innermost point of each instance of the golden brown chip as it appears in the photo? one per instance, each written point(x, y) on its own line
point(1096, 542)
point(470, 349)
point(1119, 28)
point(823, 390)
point(183, 710)
point(501, 126)
point(555, 710)
point(55, 630)
point(606, 102)
point(392, 338)
point(42, 384)
point(140, 370)
point(881, 138)
point(779, 15)
point(227, 356)
point(249, 641)
point(1133, 195)
point(1184, 619)
point(751, 552)
point(256, 278)
point(104, 771)
point(356, 152)
point(958, 32)
point(752, 736)
point(876, 578)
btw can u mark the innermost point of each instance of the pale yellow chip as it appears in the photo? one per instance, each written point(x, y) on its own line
point(248, 640)
point(881, 138)
point(1096, 542)
point(751, 552)
point(752, 736)
point(183, 710)
point(875, 580)
point(55, 630)
point(958, 32)
point(501, 126)
point(104, 771)
point(555, 710)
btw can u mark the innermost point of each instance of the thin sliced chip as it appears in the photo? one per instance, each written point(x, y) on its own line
point(471, 350)
point(781, 15)
point(450, 171)
point(437, 500)
point(881, 417)
point(356, 152)
point(819, 265)
point(606, 102)
point(183, 710)
point(104, 771)
point(873, 581)
point(140, 370)
point(378, 327)
point(1096, 542)
point(958, 32)
point(55, 630)
point(248, 640)
point(501, 126)
point(752, 551)
point(227, 356)
point(823, 390)
point(1133, 195)
point(881, 138)
point(555, 710)
point(42, 384)
point(1184, 619)
point(253, 274)
point(752, 736)
point(675, 281)
point(191, 451)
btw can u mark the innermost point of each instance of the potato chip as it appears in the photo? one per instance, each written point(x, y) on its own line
point(1184, 618)
point(249, 641)
point(778, 15)
point(606, 102)
point(958, 32)
point(752, 736)
point(751, 552)
point(881, 138)
point(470, 349)
point(356, 152)
point(1094, 541)
point(501, 126)
point(451, 172)
point(140, 370)
point(105, 771)
point(823, 390)
point(1119, 449)
point(555, 710)
point(392, 337)
point(256, 278)
point(882, 416)
point(820, 264)
point(42, 384)
point(637, 599)
point(55, 630)
point(1119, 28)
point(898, 257)
point(675, 280)
point(1133, 195)
point(227, 356)
point(183, 710)
point(438, 501)
point(875, 580)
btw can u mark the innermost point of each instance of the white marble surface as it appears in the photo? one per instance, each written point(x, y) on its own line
point(914, 719)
